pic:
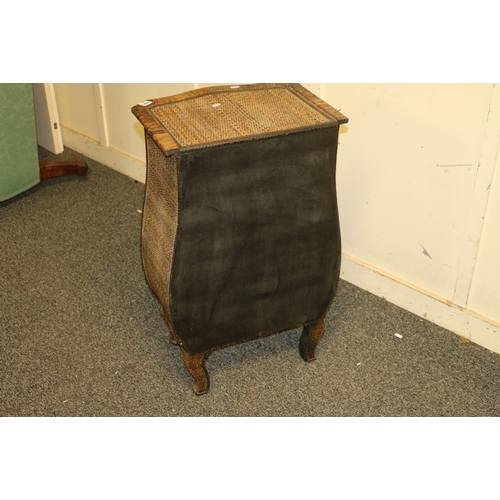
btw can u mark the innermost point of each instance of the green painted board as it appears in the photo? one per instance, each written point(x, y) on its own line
point(19, 169)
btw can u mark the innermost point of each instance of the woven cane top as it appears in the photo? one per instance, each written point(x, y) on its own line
point(220, 115)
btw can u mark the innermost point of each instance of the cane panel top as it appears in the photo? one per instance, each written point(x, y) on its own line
point(226, 114)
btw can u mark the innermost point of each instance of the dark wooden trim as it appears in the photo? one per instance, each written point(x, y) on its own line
point(324, 106)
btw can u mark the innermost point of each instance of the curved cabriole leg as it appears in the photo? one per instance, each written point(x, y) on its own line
point(311, 335)
point(195, 364)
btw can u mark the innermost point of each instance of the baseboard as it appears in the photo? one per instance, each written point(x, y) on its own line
point(456, 319)
point(110, 157)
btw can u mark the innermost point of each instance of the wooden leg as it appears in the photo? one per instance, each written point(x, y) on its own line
point(311, 335)
point(59, 168)
point(195, 364)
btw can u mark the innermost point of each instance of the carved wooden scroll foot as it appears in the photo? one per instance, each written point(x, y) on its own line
point(311, 335)
point(195, 364)
point(60, 168)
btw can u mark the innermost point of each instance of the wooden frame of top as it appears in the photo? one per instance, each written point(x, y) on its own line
point(170, 146)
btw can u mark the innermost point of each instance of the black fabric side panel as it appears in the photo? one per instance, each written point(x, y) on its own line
point(258, 245)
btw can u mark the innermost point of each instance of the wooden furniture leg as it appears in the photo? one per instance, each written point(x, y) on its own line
point(60, 168)
point(311, 335)
point(195, 364)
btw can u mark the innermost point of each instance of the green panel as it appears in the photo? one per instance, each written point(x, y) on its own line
point(19, 168)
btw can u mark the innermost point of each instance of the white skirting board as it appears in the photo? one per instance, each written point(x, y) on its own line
point(108, 156)
point(456, 319)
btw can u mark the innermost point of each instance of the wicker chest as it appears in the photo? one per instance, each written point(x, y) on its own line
point(240, 231)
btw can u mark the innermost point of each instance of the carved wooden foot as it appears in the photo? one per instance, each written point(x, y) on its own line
point(59, 168)
point(311, 335)
point(195, 364)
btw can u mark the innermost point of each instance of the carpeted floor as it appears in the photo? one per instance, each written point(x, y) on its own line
point(81, 333)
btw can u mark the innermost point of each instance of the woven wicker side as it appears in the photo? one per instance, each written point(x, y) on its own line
point(159, 223)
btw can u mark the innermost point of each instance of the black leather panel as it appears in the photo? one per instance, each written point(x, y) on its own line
point(258, 243)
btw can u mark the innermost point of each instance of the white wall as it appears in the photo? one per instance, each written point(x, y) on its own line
point(96, 120)
point(414, 172)
point(484, 295)
point(418, 200)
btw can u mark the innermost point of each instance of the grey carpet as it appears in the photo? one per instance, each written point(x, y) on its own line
point(81, 333)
